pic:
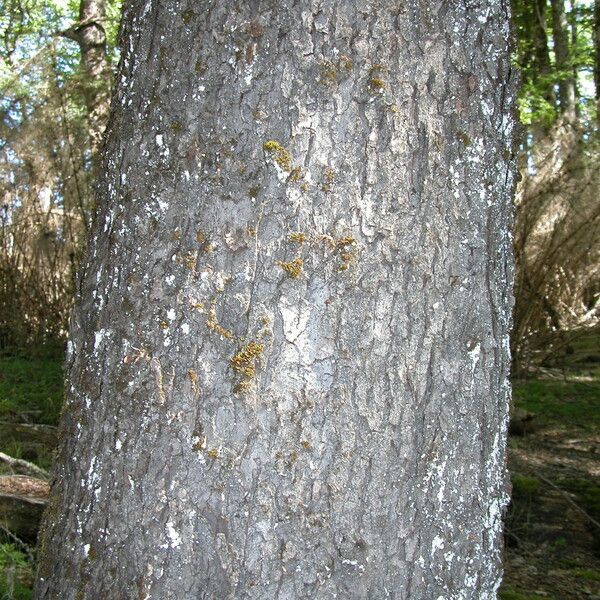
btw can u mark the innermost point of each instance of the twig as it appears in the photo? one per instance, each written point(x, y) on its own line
point(568, 498)
point(17, 540)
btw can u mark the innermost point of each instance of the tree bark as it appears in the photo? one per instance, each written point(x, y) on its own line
point(288, 366)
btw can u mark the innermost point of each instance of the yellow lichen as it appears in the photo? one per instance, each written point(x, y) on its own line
point(213, 323)
point(296, 174)
point(345, 241)
point(328, 178)
point(332, 70)
point(292, 268)
point(189, 260)
point(243, 386)
point(253, 191)
point(164, 325)
point(347, 259)
point(193, 376)
point(280, 155)
point(244, 361)
point(376, 81)
point(213, 453)
point(297, 237)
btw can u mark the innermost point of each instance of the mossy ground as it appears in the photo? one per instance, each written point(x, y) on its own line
point(31, 388)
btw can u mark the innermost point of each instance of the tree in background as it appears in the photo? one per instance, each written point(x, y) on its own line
point(557, 239)
point(289, 359)
point(53, 110)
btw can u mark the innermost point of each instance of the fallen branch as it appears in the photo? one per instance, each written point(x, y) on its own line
point(24, 467)
point(27, 549)
point(567, 497)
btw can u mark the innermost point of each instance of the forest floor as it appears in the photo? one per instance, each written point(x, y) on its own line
point(552, 533)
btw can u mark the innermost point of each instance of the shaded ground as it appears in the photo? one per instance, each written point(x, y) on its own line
point(553, 526)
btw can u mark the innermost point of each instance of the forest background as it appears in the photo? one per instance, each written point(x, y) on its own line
point(57, 60)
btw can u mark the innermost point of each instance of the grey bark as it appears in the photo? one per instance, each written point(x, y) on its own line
point(288, 366)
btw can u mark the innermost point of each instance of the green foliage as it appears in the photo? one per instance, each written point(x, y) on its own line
point(31, 387)
point(16, 575)
point(534, 57)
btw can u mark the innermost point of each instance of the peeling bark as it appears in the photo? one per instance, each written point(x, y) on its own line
point(288, 367)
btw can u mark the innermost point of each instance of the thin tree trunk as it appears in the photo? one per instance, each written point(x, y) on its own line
point(566, 84)
point(288, 369)
point(539, 35)
point(597, 54)
point(90, 34)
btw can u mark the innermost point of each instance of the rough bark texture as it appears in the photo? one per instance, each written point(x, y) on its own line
point(288, 367)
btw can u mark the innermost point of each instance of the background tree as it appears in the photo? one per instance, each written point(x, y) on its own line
point(558, 215)
point(53, 109)
point(288, 363)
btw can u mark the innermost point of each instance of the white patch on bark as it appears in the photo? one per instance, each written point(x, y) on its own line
point(173, 535)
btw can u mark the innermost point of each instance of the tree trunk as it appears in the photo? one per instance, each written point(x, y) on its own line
point(539, 37)
point(596, 37)
point(288, 367)
point(90, 34)
point(566, 84)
